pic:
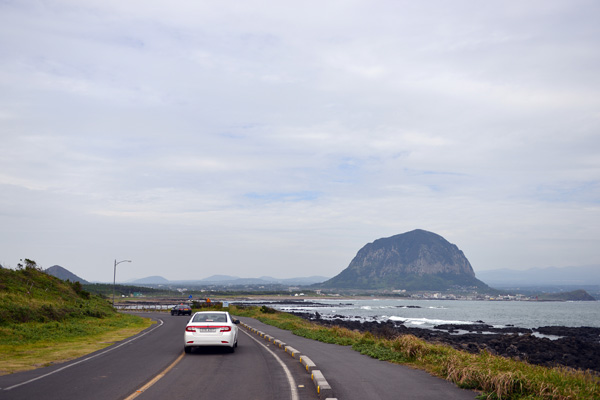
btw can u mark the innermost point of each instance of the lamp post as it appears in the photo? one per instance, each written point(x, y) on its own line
point(115, 278)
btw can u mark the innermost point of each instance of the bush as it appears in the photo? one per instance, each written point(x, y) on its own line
point(267, 310)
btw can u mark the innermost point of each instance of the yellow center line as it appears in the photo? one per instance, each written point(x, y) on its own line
point(155, 379)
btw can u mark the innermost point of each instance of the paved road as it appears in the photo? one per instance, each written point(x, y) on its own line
point(354, 376)
point(121, 370)
point(257, 370)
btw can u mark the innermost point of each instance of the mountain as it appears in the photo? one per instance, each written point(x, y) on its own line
point(227, 280)
point(550, 276)
point(309, 280)
point(64, 274)
point(151, 280)
point(416, 260)
point(220, 278)
point(263, 280)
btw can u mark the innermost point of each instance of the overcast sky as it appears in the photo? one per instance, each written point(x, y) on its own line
point(277, 138)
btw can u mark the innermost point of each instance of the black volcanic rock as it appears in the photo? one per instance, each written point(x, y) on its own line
point(64, 274)
point(416, 260)
point(576, 348)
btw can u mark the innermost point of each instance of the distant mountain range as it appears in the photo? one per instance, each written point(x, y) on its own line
point(227, 280)
point(551, 276)
point(565, 277)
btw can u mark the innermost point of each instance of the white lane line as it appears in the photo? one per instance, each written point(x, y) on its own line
point(288, 374)
point(85, 359)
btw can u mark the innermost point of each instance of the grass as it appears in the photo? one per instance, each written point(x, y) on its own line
point(30, 345)
point(45, 320)
point(30, 295)
point(497, 378)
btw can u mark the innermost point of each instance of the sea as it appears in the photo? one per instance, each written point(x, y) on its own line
point(428, 313)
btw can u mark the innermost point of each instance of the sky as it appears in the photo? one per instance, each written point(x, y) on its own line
point(268, 138)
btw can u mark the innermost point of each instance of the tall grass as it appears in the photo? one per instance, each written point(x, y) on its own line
point(497, 378)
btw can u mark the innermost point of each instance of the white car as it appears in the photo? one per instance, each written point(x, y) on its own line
point(211, 328)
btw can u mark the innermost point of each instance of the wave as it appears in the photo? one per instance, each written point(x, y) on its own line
point(427, 321)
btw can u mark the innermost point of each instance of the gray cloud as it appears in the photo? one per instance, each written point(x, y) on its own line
point(274, 139)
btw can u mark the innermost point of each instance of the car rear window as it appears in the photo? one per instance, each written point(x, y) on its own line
point(210, 317)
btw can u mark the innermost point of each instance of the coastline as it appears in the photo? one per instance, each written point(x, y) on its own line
point(551, 346)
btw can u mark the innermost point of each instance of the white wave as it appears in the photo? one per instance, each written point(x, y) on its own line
point(427, 321)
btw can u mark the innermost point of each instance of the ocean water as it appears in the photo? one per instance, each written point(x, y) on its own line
point(427, 313)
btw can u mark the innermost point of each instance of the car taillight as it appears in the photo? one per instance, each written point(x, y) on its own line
point(215, 327)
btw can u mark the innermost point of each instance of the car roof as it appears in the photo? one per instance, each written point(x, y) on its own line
point(211, 312)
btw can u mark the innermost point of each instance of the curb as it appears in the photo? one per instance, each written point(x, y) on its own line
point(323, 388)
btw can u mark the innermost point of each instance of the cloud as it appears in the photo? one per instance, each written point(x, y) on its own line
point(278, 139)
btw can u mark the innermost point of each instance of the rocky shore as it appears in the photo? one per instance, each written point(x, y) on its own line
point(549, 346)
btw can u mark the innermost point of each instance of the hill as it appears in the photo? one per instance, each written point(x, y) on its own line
point(416, 260)
point(64, 274)
point(29, 294)
point(576, 295)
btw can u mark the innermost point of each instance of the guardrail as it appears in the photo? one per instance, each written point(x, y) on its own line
point(144, 307)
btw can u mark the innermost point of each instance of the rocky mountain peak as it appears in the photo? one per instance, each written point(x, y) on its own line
point(415, 260)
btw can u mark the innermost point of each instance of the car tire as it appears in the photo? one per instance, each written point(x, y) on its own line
point(187, 349)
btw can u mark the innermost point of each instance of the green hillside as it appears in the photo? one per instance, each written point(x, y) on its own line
point(45, 320)
point(28, 294)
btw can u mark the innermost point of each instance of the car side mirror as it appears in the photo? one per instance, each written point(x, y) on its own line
point(236, 321)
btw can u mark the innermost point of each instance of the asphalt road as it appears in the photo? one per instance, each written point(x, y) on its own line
point(121, 371)
point(354, 376)
point(152, 366)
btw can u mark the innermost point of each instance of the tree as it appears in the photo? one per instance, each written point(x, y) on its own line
point(29, 264)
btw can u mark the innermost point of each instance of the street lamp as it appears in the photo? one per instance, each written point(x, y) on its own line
point(115, 277)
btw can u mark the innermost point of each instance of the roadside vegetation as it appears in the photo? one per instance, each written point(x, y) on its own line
point(106, 289)
point(494, 376)
point(45, 320)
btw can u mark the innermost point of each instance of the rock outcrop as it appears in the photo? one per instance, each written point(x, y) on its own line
point(416, 260)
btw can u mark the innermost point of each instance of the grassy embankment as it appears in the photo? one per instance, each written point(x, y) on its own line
point(494, 376)
point(44, 320)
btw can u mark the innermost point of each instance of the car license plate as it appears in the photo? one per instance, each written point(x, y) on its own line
point(205, 330)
